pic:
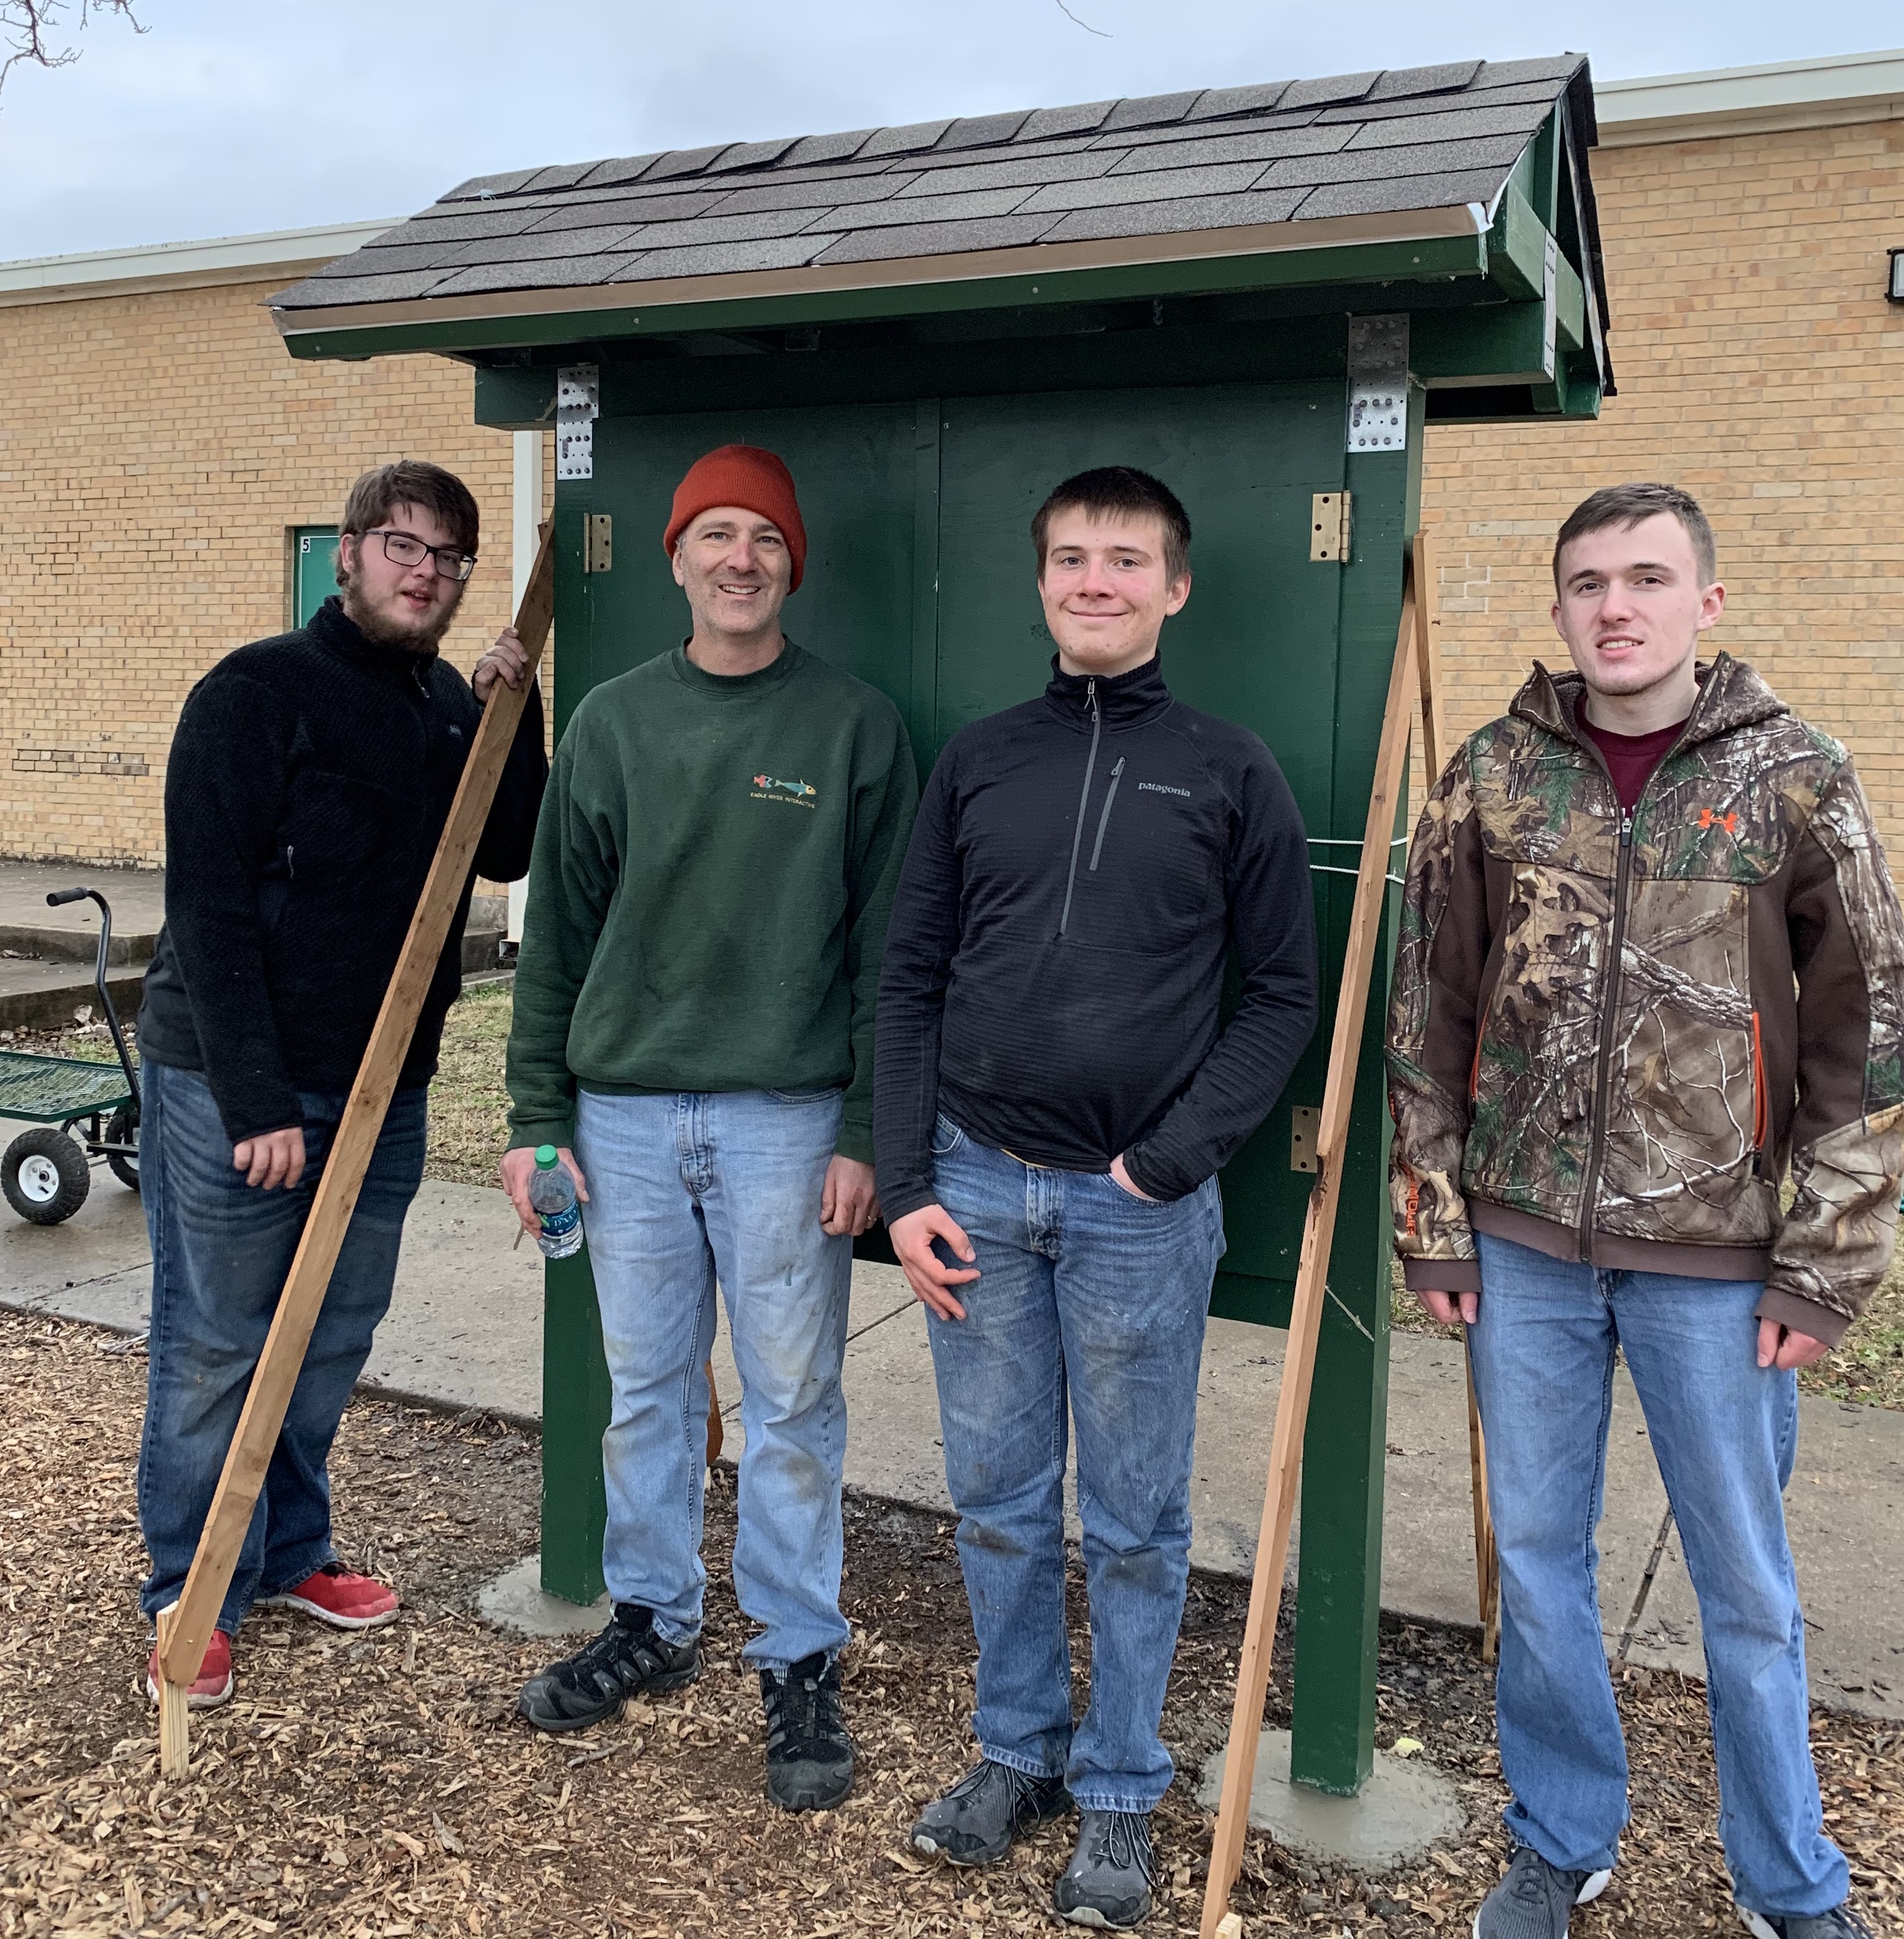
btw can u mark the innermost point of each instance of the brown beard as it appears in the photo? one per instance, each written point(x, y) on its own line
point(422, 645)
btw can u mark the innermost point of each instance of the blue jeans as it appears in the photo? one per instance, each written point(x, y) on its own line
point(220, 1251)
point(1088, 1290)
point(687, 1191)
point(1725, 1432)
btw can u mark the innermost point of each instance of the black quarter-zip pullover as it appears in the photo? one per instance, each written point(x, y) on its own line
point(1080, 867)
point(309, 780)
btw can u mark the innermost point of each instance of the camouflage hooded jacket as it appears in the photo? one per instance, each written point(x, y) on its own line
point(1611, 1036)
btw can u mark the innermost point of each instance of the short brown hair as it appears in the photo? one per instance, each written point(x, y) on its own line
point(1626, 506)
point(1113, 489)
point(411, 482)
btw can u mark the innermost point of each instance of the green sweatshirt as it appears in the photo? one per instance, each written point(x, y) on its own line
point(714, 867)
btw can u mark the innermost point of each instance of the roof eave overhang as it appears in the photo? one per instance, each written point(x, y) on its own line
point(1411, 244)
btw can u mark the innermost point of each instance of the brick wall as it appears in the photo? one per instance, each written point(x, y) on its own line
point(1760, 367)
point(154, 449)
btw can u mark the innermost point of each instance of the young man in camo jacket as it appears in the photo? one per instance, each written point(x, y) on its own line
point(1652, 965)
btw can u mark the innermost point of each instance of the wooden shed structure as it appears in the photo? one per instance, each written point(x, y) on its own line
point(1260, 293)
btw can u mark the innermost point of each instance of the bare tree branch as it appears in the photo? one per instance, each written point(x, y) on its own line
point(1062, 8)
point(28, 27)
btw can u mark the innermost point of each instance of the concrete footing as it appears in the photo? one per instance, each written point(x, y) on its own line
point(1405, 1806)
point(514, 1600)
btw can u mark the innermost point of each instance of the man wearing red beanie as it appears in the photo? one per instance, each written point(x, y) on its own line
point(694, 1033)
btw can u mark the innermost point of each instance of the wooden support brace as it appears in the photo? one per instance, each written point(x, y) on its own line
point(175, 1740)
point(1427, 662)
point(183, 1641)
point(1312, 1278)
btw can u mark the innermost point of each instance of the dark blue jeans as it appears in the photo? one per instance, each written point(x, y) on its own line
point(1089, 1295)
point(220, 1251)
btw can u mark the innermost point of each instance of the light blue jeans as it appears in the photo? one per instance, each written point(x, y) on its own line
point(220, 1251)
point(686, 1192)
point(1725, 1433)
point(1089, 1293)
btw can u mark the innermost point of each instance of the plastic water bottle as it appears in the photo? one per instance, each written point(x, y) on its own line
point(551, 1191)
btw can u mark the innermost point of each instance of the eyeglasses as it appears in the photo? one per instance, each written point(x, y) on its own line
point(401, 549)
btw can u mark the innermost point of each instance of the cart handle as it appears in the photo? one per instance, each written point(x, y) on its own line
point(57, 898)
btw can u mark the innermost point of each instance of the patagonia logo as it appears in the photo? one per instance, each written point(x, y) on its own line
point(795, 794)
point(1729, 823)
point(1157, 787)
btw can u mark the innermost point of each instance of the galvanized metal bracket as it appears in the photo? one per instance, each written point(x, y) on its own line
point(1305, 1127)
point(578, 404)
point(1330, 526)
point(1378, 383)
point(598, 542)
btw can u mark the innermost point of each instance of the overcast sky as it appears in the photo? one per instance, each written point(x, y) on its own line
point(225, 117)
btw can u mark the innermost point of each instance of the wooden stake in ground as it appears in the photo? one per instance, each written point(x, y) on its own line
point(174, 1743)
point(182, 1642)
point(1428, 663)
point(1311, 1276)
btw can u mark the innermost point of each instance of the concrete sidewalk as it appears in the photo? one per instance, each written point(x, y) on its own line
point(465, 1330)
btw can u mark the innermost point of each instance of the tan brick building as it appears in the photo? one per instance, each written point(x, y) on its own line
point(1747, 218)
point(159, 453)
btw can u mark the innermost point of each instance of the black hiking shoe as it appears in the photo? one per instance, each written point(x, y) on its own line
point(1108, 1882)
point(627, 1659)
point(1534, 1900)
point(975, 1823)
point(1840, 1922)
point(809, 1754)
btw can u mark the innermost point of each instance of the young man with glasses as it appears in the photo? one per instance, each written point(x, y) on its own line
point(308, 782)
point(693, 1033)
point(1651, 970)
point(1058, 1088)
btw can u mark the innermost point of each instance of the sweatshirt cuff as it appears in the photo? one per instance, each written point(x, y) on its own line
point(1441, 1275)
point(1165, 1191)
point(855, 1141)
point(896, 1205)
point(1803, 1315)
point(559, 1132)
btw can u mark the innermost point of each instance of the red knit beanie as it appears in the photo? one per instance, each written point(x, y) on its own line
point(745, 476)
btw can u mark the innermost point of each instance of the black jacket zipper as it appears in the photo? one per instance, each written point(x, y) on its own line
point(1104, 820)
point(1084, 801)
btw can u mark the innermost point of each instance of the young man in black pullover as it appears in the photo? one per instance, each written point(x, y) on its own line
point(308, 782)
point(1055, 1092)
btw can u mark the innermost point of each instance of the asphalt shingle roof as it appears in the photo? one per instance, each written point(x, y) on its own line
point(1358, 143)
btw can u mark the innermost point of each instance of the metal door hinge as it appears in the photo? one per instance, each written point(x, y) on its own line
point(1305, 1127)
point(1330, 516)
point(598, 542)
point(578, 404)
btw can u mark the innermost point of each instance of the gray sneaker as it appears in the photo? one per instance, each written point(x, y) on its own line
point(1533, 1901)
point(1840, 1922)
point(975, 1823)
point(1108, 1882)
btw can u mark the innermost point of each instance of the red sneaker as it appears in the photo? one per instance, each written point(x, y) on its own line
point(339, 1596)
point(214, 1684)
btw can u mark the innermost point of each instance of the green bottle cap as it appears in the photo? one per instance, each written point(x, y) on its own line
point(545, 1158)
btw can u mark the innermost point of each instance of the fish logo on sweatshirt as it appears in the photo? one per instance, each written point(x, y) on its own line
point(795, 794)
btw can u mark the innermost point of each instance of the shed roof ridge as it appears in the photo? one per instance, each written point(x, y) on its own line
point(741, 161)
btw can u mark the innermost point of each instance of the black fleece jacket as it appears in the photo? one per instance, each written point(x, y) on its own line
point(309, 780)
point(1080, 867)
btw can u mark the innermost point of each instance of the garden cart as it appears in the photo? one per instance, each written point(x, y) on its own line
point(79, 1111)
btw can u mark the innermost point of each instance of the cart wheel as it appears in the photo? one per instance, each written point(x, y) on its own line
point(122, 1128)
point(45, 1176)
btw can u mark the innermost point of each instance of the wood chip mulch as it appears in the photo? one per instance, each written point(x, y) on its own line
point(382, 1786)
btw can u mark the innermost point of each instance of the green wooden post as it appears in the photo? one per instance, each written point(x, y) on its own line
point(574, 1385)
point(1338, 1602)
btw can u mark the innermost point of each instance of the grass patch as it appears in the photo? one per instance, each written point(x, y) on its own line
point(469, 1101)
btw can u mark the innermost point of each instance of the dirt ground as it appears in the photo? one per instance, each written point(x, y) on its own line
point(383, 1785)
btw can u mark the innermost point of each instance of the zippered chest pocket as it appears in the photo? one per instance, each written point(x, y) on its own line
point(1149, 872)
